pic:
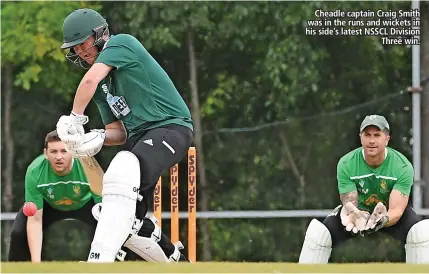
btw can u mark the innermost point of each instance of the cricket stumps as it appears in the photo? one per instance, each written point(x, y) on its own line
point(174, 203)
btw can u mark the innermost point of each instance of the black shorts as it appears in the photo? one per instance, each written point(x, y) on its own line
point(398, 231)
point(158, 150)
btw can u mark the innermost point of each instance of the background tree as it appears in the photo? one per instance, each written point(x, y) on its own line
point(274, 111)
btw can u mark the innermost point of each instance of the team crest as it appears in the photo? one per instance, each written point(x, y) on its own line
point(383, 187)
point(76, 189)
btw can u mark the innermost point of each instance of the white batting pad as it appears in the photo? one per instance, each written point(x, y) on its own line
point(120, 190)
point(417, 246)
point(96, 211)
point(122, 177)
point(146, 248)
point(317, 245)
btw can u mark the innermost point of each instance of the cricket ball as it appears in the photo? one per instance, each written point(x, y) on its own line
point(29, 209)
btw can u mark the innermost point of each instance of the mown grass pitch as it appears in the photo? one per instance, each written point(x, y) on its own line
point(203, 267)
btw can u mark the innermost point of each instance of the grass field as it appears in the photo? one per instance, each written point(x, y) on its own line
point(224, 267)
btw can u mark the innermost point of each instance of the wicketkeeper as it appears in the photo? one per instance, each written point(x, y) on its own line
point(374, 183)
point(141, 108)
point(60, 188)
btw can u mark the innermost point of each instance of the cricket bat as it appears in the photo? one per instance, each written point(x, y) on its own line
point(94, 173)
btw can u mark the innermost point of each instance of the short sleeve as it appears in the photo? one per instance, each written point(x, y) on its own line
point(97, 199)
point(117, 53)
point(345, 184)
point(32, 193)
point(405, 181)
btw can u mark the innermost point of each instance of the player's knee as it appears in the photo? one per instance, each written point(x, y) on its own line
point(418, 232)
point(317, 245)
point(18, 233)
point(19, 230)
point(417, 243)
point(122, 176)
point(318, 235)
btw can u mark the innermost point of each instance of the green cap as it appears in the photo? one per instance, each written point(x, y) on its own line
point(375, 120)
point(79, 25)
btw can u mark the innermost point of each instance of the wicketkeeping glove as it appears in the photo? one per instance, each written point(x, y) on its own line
point(352, 218)
point(377, 220)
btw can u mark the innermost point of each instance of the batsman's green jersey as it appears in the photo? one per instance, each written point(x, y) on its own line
point(137, 91)
point(374, 184)
point(68, 192)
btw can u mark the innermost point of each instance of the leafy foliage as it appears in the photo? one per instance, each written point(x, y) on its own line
point(304, 96)
point(31, 41)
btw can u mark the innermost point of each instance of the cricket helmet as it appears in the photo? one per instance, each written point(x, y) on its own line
point(79, 26)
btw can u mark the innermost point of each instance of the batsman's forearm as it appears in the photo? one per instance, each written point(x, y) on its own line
point(349, 197)
point(115, 137)
point(83, 96)
point(35, 238)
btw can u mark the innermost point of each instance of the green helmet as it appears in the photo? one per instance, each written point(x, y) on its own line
point(80, 25)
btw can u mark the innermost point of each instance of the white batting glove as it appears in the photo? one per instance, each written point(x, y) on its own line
point(70, 128)
point(92, 143)
point(352, 218)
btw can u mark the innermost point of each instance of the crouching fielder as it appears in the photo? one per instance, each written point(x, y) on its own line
point(369, 179)
point(139, 106)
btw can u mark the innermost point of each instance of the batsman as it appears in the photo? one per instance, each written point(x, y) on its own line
point(141, 110)
point(374, 184)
